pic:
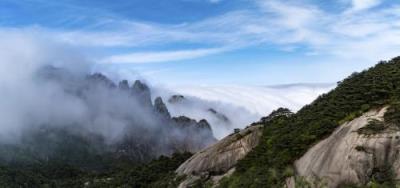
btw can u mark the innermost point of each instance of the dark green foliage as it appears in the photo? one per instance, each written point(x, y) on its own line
point(157, 173)
point(202, 183)
point(392, 115)
point(276, 113)
point(286, 138)
point(147, 174)
point(373, 127)
point(384, 175)
point(360, 148)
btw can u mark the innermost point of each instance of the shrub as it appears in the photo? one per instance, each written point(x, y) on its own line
point(374, 126)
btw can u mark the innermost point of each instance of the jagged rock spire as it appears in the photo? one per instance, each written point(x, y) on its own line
point(142, 91)
point(100, 78)
point(123, 85)
point(138, 86)
point(161, 108)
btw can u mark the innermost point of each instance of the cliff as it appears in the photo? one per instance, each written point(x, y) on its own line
point(219, 159)
point(349, 156)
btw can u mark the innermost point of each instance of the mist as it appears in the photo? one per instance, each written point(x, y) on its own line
point(25, 101)
point(49, 91)
point(45, 84)
point(242, 105)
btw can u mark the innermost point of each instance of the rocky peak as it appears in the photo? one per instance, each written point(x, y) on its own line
point(183, 120)
point(203, 124)
point(176, 98)
point(139, 86)
point(161, 108)
point(218, 115)
point(99, 78)
point(142, 91)
point(123, 85)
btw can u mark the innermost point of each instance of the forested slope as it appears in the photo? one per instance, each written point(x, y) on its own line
point(286, 139)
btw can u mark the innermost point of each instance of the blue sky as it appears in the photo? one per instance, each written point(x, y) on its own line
point(256, 42)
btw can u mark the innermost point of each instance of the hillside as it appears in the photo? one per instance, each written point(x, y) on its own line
point(286, 139)
point(218, 160)
point(360, 152)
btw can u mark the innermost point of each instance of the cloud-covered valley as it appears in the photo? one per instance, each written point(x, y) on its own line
point(241, 104)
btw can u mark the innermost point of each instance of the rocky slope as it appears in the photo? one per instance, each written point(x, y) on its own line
point(354, 151)
point(219, 160)
point(349, 156)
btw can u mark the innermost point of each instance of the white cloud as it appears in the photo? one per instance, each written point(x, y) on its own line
point(358, 5)
point(260, 100)
point(241, 104)
point(299, 25)
point(153, 57)
point(215, 1)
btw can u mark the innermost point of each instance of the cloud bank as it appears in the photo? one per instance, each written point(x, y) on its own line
point(242, 105)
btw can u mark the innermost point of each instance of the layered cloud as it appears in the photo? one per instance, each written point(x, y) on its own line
point(259, 100)
point(352, 29)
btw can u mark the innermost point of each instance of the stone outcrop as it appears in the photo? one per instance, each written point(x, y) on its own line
point(122, 122)
point(161, 108)
point(176, 99)
point(348, 157)
point(142, 91)
point(219, 160)
point(196, 135)
point(123, 85)
point(219, 116)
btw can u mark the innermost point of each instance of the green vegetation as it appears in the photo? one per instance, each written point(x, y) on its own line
point(157, 173)
point(382, 177)
point(392, 115)
point(286, 138)
point(361, 148)
point(374, 126)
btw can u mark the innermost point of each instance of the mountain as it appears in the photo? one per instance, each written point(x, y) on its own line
point(345, 138)
point(117, 125)
point(356, 153)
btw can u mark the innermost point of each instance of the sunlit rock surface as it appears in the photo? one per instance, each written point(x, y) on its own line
point(347, 157)
point(219, 159)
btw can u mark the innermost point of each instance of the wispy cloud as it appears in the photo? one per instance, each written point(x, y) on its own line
point(164, 56)
point(357, 31)
point(215, 1)
point(358, 5)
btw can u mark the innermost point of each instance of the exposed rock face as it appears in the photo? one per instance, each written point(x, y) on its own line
point(220, 158)
point(176, 98)
point(219, 116)
point(121, 122)
point(161, 108)
point(98, 78)
point(123, 85)
point(349, 157)
point(197, 136)
point(142, 91)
